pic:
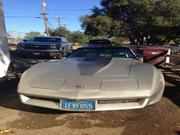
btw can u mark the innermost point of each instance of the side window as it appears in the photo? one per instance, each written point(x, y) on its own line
point(63, 40)
point(131, 54)
point(32, 39)
point(59, 40)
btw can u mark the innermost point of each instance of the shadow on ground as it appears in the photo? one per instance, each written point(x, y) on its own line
point(172, 90)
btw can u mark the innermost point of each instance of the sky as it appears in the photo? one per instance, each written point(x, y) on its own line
point(20, 15)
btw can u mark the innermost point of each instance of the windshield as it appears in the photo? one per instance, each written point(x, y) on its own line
point(114, 52)
point(99, 42)
point(45, 39)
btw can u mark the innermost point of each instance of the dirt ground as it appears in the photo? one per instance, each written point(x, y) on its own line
point(18, 119)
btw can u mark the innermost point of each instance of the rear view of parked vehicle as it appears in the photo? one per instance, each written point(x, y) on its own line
point(99, 43)
point(55, 47)
point(4, 51)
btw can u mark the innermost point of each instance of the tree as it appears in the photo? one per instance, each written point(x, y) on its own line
point(101, 26)
point(62, 32)
point(151, 21)
point(98, 25)
point(74, 37)
point(31, 34)
point(79, 37)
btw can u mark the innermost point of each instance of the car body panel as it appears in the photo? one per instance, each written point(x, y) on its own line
point(153, 55)
point(117, 81)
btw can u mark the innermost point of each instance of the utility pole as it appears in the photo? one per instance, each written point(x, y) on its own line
point(59, 24)
point(66, 32)
point(44, 16)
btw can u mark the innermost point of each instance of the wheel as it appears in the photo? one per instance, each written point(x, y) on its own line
point(12, 72)
point(59, 56)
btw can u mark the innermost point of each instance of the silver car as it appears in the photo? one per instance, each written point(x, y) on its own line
point(93, 79)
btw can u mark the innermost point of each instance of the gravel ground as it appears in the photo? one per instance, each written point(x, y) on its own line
point(160, 119)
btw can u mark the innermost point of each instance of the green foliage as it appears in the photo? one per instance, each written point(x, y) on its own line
point(31, 34)
point(62, 32)
point(79, 37)
point(120, 41)
point(74, 37)
point(151, 21)
point(98, 25)
point(101, 26)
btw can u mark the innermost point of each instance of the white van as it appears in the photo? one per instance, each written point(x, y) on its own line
point(4, 50)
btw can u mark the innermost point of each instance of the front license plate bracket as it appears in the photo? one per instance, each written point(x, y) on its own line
point(77, 105)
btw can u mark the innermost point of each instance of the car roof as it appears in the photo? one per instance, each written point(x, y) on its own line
point(106, 47)
point(47, 37)
point(99, 41)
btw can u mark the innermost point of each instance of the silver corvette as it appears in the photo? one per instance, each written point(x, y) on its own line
point(93, 79)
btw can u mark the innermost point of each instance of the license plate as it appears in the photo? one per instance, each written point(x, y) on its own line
point(36, 53)
point(78, 105)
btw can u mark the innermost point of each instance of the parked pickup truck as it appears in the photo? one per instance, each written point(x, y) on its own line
point(55, 47)
point(4, 50)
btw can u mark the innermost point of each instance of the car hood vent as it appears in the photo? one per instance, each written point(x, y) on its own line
point(48, 83)
point(117, 85)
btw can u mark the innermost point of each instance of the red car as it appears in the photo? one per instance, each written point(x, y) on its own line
point(153, 55)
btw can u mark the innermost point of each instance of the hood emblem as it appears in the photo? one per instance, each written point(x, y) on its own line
point(78, 86)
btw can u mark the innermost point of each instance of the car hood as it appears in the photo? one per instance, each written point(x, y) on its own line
point(94, 67)
point(89, 74)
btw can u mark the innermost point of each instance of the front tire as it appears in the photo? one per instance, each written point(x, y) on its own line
point(59, 56)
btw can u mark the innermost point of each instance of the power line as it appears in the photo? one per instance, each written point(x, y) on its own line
point(13, 16)
point(58, 19)
point(55, 17)
point(69, 9)
point(30, 17)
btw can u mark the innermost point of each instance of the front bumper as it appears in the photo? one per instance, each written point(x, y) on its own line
point(38, 53)
point(101, 104)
